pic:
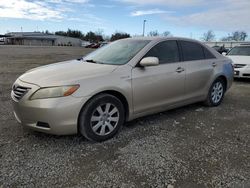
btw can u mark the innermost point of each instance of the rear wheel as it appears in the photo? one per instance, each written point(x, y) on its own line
point(216, 93)
point(101, 118)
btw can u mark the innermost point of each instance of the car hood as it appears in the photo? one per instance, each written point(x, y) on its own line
point(67, 72)
point(240, 59)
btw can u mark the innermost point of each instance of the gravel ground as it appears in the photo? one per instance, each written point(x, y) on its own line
point(193, 146)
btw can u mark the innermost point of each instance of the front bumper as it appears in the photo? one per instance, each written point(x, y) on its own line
point(242, 72)
point(61, 114)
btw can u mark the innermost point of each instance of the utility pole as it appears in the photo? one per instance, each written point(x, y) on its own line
point(143, 32)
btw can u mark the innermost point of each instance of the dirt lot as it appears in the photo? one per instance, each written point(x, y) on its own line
point(189, 147)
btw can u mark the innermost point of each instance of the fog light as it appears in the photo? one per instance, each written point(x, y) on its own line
point(42, 124)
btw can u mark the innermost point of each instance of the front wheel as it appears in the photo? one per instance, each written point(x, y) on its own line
point(101, 117)
point(216, 93)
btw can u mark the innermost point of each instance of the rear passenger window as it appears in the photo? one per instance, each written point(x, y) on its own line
point(208, 54)
point(166, 51)
point(192, 51)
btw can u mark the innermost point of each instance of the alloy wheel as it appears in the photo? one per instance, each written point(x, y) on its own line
point(104, 119)
point(217, 92)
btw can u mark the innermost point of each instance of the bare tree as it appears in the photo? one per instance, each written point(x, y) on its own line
point(228, 38)
point(166, 34)
point(236, 36)
point(239, 35)
point(153, 33)
point(208, 36)
point(99, 32)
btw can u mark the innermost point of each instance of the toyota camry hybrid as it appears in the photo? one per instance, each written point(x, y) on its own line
point(119, 82)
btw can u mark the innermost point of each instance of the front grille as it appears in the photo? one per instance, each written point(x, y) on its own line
point(19, 91)
point(248, 75)
point(239, 65)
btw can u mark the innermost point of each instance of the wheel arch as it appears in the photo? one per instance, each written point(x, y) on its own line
point(115, 93)
point(224, 78)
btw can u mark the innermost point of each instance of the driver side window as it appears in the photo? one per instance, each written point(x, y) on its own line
point(166, 51)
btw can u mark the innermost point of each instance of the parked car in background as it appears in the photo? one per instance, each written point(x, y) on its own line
point(96, 45)
point(241, 60)
point(93, 45)
point(103, 44)
point(127, 79)
point(220, 49)
point(89, 45)
point(2, 41)
point(85, 43)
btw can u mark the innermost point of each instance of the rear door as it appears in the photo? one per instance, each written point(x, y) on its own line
point(157, 86)
point(199, 64)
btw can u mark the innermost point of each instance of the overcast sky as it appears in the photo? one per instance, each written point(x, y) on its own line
point(187, 18)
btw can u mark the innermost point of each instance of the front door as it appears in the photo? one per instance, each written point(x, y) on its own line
point(155, 87)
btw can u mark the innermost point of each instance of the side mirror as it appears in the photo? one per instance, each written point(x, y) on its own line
point(224, 53)
point(149, 61)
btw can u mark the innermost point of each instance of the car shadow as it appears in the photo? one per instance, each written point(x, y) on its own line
point(243, 80)
point(176, 113)
point(44, 136)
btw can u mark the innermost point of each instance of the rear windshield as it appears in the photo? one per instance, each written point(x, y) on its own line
point(240, 50)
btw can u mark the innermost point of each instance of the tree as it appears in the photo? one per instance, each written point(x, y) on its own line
point(208, 36)
point(228, 38)
point(236, 36)
point(119, 35)
point(106, 37)
point(47, 32)
point(99, 32)
point(239, 35)
point(90, 36)
point(153, 33)
point(74, 33)
point(70, 33)
point(166, 34)
point(156, 33)
point(93, 37)
point(61, 33)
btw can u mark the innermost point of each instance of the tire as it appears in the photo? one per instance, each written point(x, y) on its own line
point(101, 118)
point(216, 93)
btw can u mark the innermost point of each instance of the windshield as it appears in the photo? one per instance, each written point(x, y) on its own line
point(240, 50)
point(117, 53)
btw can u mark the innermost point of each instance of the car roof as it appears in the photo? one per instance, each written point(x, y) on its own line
point(162, 38)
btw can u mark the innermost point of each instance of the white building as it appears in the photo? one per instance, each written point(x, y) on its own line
point(40, 39)
point(226, 44)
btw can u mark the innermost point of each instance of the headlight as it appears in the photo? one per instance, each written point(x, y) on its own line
point(53, 92)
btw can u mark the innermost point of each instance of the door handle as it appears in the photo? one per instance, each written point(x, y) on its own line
point(180, 69)
point(214, 64)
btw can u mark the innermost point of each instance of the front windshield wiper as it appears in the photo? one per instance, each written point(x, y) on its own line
point(90, 60)
point(79, 59)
